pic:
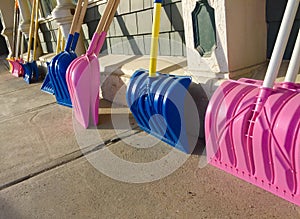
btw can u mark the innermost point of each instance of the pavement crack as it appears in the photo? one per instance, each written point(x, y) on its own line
point(16, 90)
point(68, 158)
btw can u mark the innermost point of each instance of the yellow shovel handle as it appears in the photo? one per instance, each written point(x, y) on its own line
point(154, 39)
point(31, 30)
point(58, 46)
point(36, 29)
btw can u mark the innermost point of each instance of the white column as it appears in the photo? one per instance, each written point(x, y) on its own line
point(62, 15)
point(7, 18)
point(240, 37)
point(25, 15)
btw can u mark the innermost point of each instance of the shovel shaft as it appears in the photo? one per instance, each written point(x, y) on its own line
point(31, 30)
point(36, 29)
point(281, 42)
point(58, 46)
point(103, 26)
point(154, 39)
point(76, 17)
point(294, 65)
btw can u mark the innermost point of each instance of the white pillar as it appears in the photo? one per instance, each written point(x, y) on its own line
point(25, 15)
point(63, 17)
point(7, 18)
point(240, 38)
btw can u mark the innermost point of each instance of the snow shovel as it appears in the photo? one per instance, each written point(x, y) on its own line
point(12, 59)
point(59, 64)
point(30, 68)
point(17, 64)
point(252, 129)
point(47, 86)
point(157, 100)
point(83, 75)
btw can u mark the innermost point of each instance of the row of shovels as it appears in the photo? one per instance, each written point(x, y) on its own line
point(18, 67)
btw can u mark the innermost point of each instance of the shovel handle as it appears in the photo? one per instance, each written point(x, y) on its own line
point(99, 36)
point(58, 46)
point(36, 29)
point(154, 38)
point(79, 22)
point(76, 17)
point(75, 40)
point(106, 26)
point(281, 42)
point(107, 12)
point(31, 30)
point(22, 45)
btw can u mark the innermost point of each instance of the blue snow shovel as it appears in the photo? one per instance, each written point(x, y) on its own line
point(157, 100)
point(59, 64)
point(30, 68)
point(47, 86)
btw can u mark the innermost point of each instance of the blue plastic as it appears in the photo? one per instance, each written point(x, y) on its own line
point(47, 86)
point(58, 68)
point(157, 104)
point(31, 72)
point(158, 1)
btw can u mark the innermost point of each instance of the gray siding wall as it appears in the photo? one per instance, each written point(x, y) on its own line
point(130, 31)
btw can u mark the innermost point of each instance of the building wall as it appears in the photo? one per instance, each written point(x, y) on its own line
point(130, 31)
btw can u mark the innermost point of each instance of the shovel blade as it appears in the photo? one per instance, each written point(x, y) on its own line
point(83, 79)
point(17, 69)
point(47, 86)
point(57, 70)
point(265, 155)
point(31, 72)
point(157, 104)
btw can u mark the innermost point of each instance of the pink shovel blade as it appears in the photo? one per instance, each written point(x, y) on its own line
point(17, 68)
point(269, 156)
point(80, 97)
point(83, 80)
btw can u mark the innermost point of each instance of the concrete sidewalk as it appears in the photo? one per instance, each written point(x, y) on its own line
point(51, 168)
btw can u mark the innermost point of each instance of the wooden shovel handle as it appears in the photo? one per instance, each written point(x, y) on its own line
point(111, 16)
point(110, 7)
point(31, 30)
point(76, 17)
point(58, 46)
point(81, 17)
point(36, 29)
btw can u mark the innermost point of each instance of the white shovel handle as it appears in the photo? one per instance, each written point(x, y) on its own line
point(294, 65)
point(281, 42)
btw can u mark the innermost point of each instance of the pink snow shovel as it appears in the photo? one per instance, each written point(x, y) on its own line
point(83, 74)
point(252, 128)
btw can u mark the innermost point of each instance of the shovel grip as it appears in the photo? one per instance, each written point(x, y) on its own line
point(75, 40)
point(154, 38)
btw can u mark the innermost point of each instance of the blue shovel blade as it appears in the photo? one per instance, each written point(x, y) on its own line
point(30, 71)
point(58, 68)
point(157, 104)
point(47, 86)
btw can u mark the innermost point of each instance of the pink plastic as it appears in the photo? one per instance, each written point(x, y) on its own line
point(17, 69)
point(256, 139)
point(83, 80)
